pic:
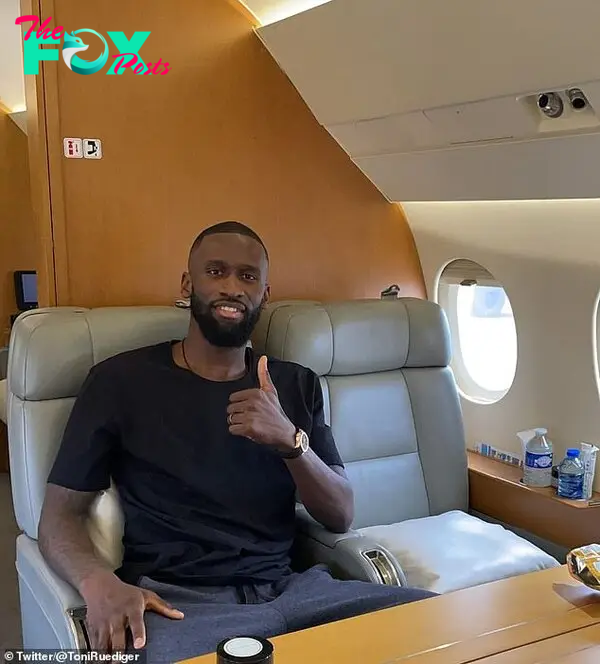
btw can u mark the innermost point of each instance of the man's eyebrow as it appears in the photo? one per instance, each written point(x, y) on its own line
point(242, 266)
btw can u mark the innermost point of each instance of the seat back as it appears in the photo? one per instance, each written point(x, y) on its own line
point(390, 398)
point(51, 352)
point(261, 330)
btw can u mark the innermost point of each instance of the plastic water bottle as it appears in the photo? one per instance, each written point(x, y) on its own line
point(537, 470)
point(570, 476)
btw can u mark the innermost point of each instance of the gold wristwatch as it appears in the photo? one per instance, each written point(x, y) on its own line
point(300, 446)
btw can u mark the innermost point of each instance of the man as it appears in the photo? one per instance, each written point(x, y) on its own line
point(207, 445)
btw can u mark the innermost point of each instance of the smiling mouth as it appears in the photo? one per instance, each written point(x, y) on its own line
point(232, 312)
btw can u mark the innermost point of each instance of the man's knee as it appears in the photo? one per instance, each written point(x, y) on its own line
point(378, 596)
point(409, 594)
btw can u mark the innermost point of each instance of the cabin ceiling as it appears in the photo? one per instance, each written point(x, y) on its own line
point(432, 100)
point(420, 93)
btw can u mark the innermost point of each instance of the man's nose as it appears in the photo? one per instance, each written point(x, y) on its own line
point(231, 287)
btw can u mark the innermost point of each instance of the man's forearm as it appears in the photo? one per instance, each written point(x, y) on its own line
point(68, 549)
point(326, 495)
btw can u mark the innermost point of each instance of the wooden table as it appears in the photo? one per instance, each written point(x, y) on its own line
point(479, 623)
point(579, 647)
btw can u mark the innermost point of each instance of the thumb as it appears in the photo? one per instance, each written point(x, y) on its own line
point(158, 605)
point(264, 378)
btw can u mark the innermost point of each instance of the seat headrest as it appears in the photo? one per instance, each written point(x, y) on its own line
point(261, 330)
point(361, 336)
point(52, 350)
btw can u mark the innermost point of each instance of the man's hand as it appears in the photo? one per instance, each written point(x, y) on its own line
point(113, 605)
point(258, 415)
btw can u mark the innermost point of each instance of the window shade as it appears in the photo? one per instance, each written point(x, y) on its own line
point(467, 273)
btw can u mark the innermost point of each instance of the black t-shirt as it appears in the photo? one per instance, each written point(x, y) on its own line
point(201, 506)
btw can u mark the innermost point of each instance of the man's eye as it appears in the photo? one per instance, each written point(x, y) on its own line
point(249, 277)
point(213, 271)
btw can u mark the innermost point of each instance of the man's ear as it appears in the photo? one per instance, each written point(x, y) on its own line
point(266, 297)
point(186, 286)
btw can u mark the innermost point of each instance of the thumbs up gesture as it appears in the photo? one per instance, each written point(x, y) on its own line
point(257, 414)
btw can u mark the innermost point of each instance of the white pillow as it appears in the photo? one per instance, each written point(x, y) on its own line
point(456, 550)
point(105, 527)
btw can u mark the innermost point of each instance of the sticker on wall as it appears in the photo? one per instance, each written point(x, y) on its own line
point(73, 148)
point(92, 148)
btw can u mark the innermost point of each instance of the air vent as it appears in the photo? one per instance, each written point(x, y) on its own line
point(563, 110)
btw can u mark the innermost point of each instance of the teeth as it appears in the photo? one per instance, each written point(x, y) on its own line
point(232, 309)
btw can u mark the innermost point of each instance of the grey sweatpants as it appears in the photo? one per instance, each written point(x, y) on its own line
point(298, 601)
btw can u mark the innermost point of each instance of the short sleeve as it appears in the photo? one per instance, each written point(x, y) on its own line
point(83, 462)
point(321, 436)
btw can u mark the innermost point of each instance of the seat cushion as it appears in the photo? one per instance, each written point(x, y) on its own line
point(456, 550)
point(105, 527)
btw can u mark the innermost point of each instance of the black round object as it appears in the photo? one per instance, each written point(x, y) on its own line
point(245, 650)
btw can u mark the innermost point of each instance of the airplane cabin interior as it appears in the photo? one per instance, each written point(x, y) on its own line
point(424, 176)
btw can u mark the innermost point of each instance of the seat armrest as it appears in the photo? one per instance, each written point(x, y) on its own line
point(43, 591)
point(348, 555)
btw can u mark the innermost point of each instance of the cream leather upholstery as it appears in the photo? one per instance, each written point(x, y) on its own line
point(51, 353)
point(3, 401)
point(261, 331)
point(395, 415)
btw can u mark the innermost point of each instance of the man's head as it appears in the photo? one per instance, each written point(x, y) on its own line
point(226, 282)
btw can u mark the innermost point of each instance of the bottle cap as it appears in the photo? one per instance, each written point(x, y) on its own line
point(245, 650)
point(541, 432)
point(572, 452)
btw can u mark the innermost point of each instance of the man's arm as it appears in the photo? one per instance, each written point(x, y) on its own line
point(324, 490)
point(63, 536)
point(80, 471)
point(319, 475)
point(111, 604)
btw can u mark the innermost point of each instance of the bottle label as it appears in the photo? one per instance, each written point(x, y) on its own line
point(538, 460)
point(570, 486)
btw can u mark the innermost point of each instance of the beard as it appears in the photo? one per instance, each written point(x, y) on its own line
point(223, 334)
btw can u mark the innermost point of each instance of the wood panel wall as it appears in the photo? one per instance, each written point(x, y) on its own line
point(223, 135)
point(18, 238)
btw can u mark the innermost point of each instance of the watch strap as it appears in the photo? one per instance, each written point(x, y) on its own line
point(298, 449)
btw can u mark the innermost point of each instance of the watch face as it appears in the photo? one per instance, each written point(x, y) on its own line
point(302, 444)
point(303, 440)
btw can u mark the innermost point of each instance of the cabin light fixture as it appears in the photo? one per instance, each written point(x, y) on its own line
point(577, 99)
point(272, 11)
point(551, 104)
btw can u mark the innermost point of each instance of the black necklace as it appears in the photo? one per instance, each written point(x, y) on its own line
point(187, 364)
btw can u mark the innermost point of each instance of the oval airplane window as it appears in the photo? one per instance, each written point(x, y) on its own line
point(482, 325)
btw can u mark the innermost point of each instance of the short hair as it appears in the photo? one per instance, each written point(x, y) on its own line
point(228, 227)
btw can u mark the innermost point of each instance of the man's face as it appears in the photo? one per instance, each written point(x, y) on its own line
point(227, 288)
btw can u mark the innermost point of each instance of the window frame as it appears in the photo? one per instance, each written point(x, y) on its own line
point(467, 387)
